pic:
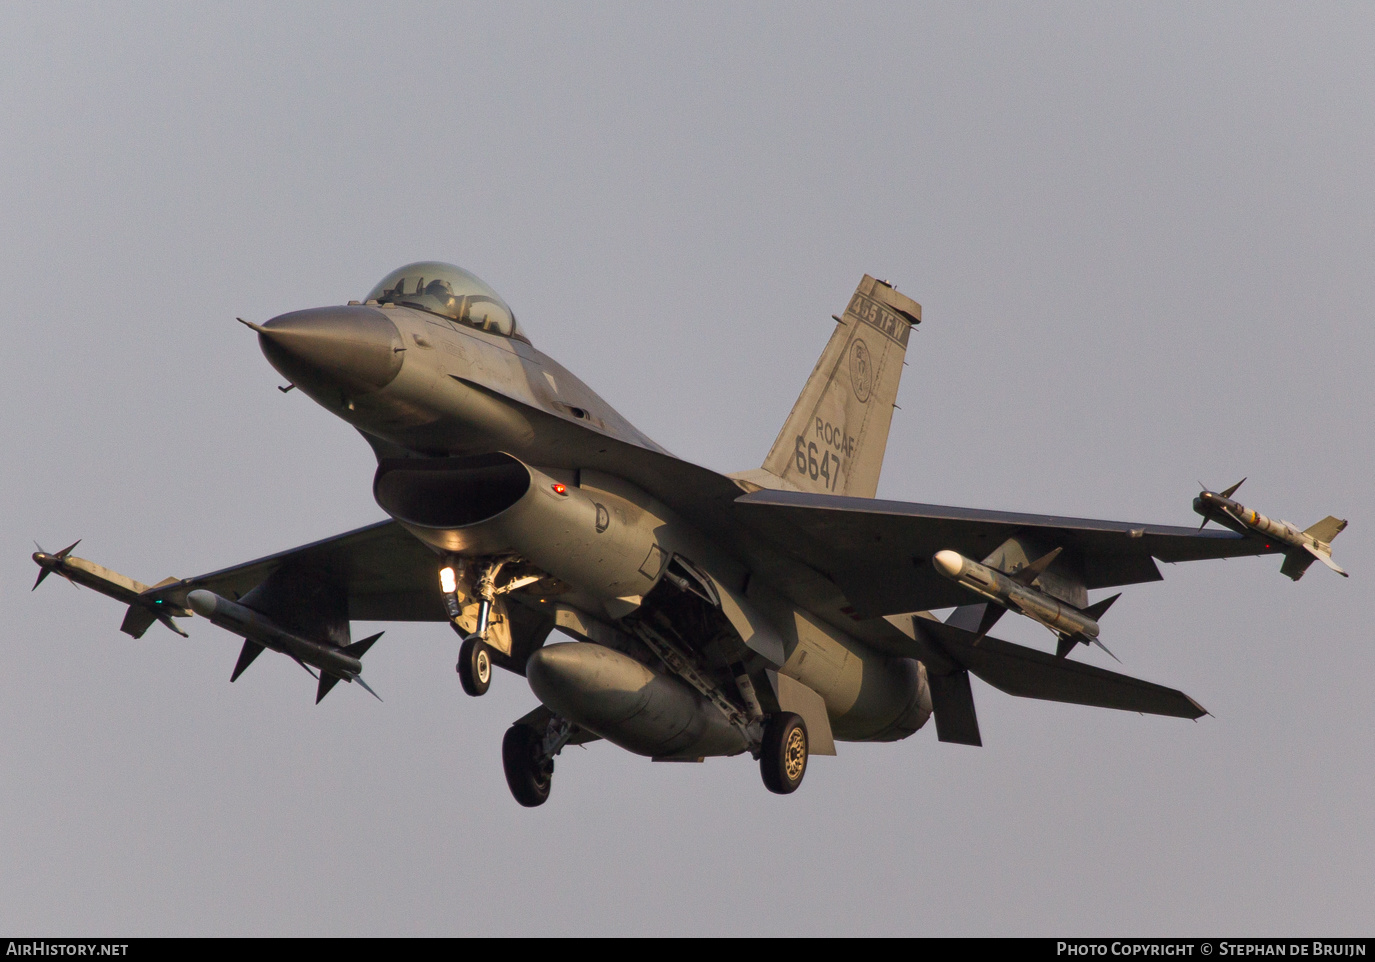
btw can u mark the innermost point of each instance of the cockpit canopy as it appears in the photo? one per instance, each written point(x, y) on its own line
point(450, 292)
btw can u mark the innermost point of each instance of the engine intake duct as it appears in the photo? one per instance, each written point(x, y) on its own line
point(449, 492)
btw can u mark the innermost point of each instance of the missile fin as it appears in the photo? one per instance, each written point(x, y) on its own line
point(990, 618)
point(166, 619)
point(366, 687)
point(1233, 489)
point(1025, 576)
point(1065, 645)
point(251, 650)
point(1096, 610)
point(1326, 559)
point(359, 648)
point(1105, 648)
point(1296, 563)
point(1326, 529)
point(60, 556)
point(327, 681)
point(136, 621)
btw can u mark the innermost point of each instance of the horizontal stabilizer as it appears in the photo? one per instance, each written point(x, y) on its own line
point(1029, 673)
point(1327, 529)
point(952, 702)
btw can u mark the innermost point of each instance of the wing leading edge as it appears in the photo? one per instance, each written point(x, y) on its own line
point(386, 573)
point(879, 552)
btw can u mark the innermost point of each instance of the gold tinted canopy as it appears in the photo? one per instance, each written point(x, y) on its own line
point(448, 291)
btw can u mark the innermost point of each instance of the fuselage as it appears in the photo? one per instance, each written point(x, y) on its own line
point(423, 387)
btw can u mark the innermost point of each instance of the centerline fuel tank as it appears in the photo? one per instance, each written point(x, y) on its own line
point(629, 704)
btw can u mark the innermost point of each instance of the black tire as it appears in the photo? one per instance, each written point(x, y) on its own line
point(528, 778)
point(783, 759)
point(474, 666)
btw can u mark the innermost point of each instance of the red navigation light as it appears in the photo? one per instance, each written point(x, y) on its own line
point(560, 489)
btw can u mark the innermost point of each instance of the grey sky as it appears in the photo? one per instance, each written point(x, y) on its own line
point(1142, 238)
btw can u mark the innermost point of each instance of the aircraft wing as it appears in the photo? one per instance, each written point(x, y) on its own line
point(879, 552)
point(387, 573)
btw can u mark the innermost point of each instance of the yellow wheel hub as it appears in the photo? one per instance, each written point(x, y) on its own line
point(795, 754)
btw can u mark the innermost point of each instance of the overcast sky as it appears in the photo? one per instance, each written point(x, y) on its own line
point(1142, 237)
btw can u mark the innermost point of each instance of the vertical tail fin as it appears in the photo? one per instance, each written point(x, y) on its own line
point(835, 437)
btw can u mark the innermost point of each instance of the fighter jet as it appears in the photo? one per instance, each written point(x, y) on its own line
point(773, 612)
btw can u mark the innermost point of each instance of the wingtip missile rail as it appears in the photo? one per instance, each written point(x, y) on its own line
point(146, 603)
point(1301, 548)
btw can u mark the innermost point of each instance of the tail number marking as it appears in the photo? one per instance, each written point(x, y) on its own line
point(814, 463)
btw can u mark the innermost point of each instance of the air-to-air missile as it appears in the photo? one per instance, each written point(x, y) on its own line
point(1014, 592)
point(258, 631)
point(1300, 547)
point(143, 609)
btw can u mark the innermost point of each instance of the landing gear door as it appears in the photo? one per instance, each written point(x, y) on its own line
point(796, 697)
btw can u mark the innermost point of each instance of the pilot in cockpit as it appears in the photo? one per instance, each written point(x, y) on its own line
point(449, 292)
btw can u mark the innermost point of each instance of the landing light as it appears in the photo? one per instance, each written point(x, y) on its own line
point(447, 582)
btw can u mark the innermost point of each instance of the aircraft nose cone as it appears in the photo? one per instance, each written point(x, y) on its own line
point(948, 563)
point(354, 349)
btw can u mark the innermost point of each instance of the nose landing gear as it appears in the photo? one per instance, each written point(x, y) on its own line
point(475, 655)
point(474, 666)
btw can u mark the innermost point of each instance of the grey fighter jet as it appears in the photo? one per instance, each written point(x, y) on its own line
point(772, 612)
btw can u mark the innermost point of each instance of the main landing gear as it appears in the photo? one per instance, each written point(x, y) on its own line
point(527, 756)
point(783, 755)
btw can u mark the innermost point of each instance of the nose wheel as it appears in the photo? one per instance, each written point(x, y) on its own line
point(783, 756)
point(474, 666)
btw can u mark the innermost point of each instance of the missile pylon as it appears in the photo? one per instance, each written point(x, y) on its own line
point(335, 663)
point(1301, 548)
point(1014, 592)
